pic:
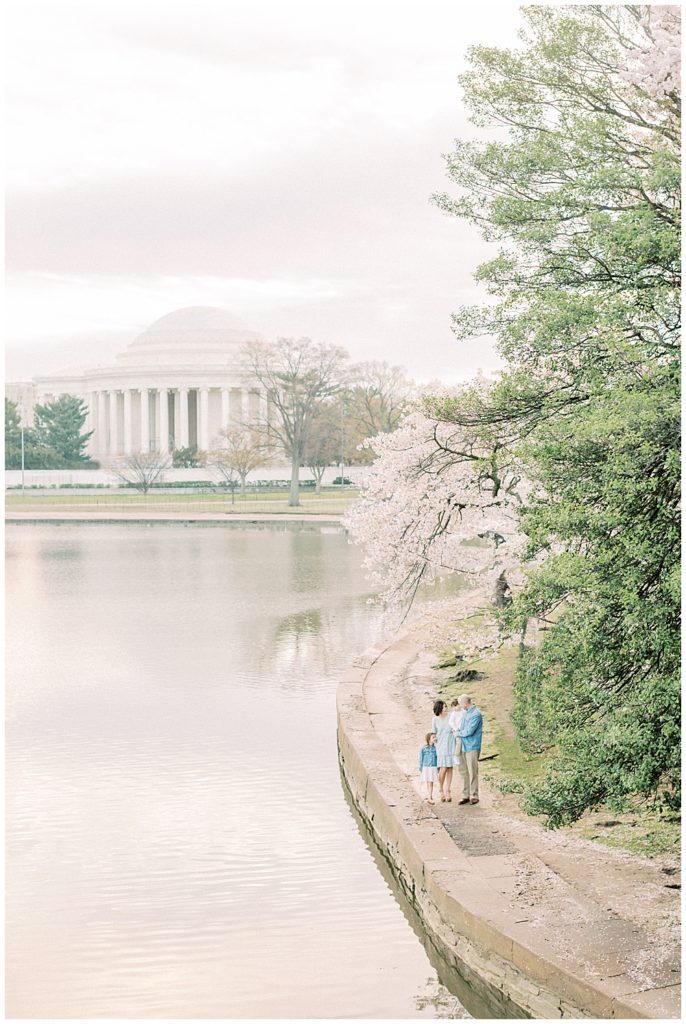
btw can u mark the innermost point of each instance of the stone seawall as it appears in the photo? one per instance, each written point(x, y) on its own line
point(463, 900)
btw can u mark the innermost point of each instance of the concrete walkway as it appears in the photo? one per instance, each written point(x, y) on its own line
point(561, 927)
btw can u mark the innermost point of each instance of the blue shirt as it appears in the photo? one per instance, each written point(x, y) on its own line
point(471, 729)
point(428, 757)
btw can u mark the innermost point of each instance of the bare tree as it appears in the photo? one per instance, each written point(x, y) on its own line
point(237, 451)
point(323, 445)
point(141, 470)
point(297, 375)
point(380, 396)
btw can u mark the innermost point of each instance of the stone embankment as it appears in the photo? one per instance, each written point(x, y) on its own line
point(539, 924)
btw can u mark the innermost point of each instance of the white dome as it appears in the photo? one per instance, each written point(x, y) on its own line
point(195, 336)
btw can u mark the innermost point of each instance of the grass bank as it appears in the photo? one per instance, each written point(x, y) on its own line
point(640, 829)
point(131, 502)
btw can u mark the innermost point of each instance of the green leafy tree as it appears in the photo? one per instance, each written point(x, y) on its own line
point(580, 190)
point(59, 440)
point(188, 458)
point(12, 436)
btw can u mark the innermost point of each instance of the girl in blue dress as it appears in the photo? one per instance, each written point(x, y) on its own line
point(427, 765)
point(445, 749)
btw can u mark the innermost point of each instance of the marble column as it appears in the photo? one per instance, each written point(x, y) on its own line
point(204, 417)
point(92, 421)
point(87, 423)
point(225, 408)
point(245, 407)
point(174, 431)
point(163, 419)
point(145, 420)
point(183, 418)
point(114, 424)
point(128, 423)
point(264, 408)
point(101, 436)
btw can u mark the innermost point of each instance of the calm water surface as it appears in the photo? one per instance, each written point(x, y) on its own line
point(178, 841)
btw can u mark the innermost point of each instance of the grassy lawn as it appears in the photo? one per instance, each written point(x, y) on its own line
point(331, 502)
point(640, 829)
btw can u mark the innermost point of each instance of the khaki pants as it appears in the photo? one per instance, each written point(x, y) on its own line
point(469, 772)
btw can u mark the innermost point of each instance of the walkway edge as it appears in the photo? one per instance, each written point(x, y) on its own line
point(425, 862)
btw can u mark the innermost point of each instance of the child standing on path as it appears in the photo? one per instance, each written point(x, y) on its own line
point(428, 765)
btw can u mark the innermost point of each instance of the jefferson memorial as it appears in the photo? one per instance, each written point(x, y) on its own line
point(177, 384)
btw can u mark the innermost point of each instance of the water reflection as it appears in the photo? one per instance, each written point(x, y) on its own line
point(449, 992)
point(441, 1002)
point(178, 844)
point(307, 566)
point(298, 643)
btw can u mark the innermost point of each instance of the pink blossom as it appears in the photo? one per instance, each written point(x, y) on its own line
point(438, 500)
point(654, 63)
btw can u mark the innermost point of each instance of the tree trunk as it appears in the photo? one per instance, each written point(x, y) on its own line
point(243, 485)
point(502, 595)
point(294, 497)
point(318, 474)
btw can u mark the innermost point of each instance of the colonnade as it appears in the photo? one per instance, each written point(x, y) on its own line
point(128, 420)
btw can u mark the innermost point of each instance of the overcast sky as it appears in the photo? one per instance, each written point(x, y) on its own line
point(275, 157)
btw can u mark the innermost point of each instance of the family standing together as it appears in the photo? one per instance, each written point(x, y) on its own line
point(454, 740)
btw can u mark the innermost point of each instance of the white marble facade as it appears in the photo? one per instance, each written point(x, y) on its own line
point(176, 385)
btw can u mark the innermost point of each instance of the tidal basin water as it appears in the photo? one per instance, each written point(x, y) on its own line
point(178, 841)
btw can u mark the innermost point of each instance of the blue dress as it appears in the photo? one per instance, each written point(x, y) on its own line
point(445, 741)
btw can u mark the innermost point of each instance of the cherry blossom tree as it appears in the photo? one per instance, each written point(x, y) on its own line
point(654, 60)
point(576, 178)
point(440, 497)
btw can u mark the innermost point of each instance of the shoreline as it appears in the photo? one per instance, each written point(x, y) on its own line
point(553, 925)
point(211, 518)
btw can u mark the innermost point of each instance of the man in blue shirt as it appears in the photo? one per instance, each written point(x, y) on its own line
point(470, 733)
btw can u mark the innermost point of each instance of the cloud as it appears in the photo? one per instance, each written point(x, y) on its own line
point(274, 158)
point(347, 206)
point(344, 247)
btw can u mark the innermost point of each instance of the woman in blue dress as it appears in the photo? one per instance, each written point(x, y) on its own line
point(445, 748)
